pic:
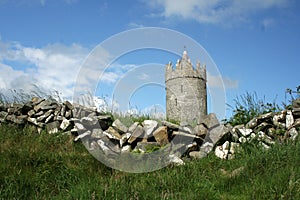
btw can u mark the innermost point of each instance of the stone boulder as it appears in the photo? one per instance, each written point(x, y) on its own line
point(161, 135)
point(296, 103)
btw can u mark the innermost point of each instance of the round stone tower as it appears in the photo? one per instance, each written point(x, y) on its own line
point(186, 96)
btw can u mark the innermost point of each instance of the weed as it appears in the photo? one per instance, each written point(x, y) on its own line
point(248, 106)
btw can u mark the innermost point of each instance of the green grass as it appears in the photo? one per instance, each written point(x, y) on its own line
point(34, 166)
point(248, 106)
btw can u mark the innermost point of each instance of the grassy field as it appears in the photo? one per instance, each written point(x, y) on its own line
point(46, 166)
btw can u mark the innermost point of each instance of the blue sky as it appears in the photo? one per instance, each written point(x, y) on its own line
point(255, 44)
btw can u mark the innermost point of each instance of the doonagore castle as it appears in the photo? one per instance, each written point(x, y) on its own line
point(186, 95)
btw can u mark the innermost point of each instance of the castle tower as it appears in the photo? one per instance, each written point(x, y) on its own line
point(186, 97)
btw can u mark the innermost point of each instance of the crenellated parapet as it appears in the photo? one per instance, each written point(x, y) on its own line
point(185, 69)
point(186, 96)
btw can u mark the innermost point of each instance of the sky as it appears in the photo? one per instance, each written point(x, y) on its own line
point(47, 45)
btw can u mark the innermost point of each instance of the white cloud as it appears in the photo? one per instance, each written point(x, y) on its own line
point(214, 11)
point(220, 82)
point(115, 72)
point(144, 76)
point(70, 1)
point(110, 77)
point(135, 25)
point(267, 23)
point(52, 68)
point(43, 2)
point(34, 2)
point(8, 75)
point(57, 67)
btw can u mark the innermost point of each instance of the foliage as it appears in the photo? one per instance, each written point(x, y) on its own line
point(34, 166)
point(291, 92)
point(248, 106)
point(294, 94)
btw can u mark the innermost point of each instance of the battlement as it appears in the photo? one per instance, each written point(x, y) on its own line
point(186, 96)
point(185, 69)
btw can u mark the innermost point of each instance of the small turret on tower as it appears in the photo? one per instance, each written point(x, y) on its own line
point(184, 55)
point(186, 96)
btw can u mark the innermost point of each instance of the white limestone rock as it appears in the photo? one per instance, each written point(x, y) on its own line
point(217, 132)
point(293, 133)
point(3, 116)
point(289, 119)
point(200, 130)
point(261, 136)
point(170, 125)
point(279, 119)
point(83, 135)
point(32, 120)
point(137, 133)
point(126, 149)
point(112, 133)
point(149, 126)
point(266, 116)
point(252, 123)
point(97, 133)
point(124, 139)
point(245, 131)
point(80, 127)
point(233, 149)
point(65, 124)
point(52, 127)
point(223, 150)
point(175, 160)
point(49, 118)
point(205, 149)
point(242, 139)
point(118, 125)
point(132, 128)
point(105, 148)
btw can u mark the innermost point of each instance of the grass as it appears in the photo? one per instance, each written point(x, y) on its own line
point(248, 106)
point(34, 166)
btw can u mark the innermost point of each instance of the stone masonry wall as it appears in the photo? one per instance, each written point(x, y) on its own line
point(101, 133)
point(186, 96)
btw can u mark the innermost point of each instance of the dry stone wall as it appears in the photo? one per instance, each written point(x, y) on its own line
point(111, 137)
point(264, 130)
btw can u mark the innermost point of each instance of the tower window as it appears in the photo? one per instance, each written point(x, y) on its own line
point(176, 102)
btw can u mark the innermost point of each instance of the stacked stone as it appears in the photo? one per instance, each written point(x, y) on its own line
point(42, 113)
point(150, 135)
point(112, 138)
point(265, 130)
point(99, 132)
point(139, 137)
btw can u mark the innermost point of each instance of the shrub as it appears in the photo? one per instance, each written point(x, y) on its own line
point(248, 106)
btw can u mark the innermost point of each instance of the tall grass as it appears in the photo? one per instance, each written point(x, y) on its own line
point(34, 166)
point(24, 96)
point(248, 106)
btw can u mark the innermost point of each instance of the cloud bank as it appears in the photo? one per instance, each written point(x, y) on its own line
point(52, 68)
point(213, 11)
point(58, 68)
